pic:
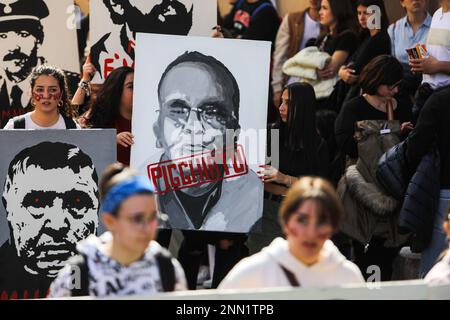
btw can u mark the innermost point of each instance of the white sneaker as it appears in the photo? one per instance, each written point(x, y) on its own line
point(406, 253)
point(203, 275)
point(207, 284)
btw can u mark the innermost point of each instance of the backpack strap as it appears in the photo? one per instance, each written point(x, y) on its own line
point(290, 276)
point(70, 123)
point(80, 261)
point(19, 122)
point(239, 4)
point(262, 6)
point(166, 270)
point(258, 9)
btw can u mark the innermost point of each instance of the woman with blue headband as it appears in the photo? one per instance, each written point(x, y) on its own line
point(124, 260)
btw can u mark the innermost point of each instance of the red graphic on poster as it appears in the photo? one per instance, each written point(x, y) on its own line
point(197, 169)
point(242, 17)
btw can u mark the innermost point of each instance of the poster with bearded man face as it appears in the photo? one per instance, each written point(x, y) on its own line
point(113, 32)
point(49, 202)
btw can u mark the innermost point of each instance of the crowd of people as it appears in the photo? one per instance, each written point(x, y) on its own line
point(327, 216)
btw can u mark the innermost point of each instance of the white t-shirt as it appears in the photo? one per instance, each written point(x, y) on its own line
point(30, 124)
point(438, 46)
point(312, 30)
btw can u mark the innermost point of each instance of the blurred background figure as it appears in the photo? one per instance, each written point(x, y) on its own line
point(125, 260)
point(301, 152)
point(309, 215)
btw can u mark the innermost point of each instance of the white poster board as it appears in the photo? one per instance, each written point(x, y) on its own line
point(113, 30)
point(212, 104)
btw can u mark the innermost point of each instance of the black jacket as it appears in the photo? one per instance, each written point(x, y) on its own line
point(420, 190)
point(433, 126)
point(421, 201)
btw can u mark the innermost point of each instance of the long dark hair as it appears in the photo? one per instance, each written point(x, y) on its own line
point(66, 109)
point(345, 16)
point(105, 109)
point(316, 189)
point(301, 132)
point(384, 16)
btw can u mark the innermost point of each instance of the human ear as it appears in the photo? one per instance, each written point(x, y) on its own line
point(6, 196)
point(156, 131)
point(285, 228)
point(447, 228)
point(109, 221)
point(158, 128)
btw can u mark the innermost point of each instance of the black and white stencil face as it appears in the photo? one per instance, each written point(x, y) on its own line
point(49, 211)
point(18, 51)
point(196, 109)
point(163, 16)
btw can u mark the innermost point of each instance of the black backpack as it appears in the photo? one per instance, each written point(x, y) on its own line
point(163, 259)
point(19, 122)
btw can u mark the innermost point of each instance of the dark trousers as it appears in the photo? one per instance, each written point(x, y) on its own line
point(194, 248)
point(343, 243)
point(163, 237)
point(423, 93)
point(376, 255)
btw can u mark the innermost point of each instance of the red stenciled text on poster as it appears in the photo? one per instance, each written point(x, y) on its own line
point(197, 169)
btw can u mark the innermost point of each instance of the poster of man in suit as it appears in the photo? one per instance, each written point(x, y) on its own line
point(195, 103)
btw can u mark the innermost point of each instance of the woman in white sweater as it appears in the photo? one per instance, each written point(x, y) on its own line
point(309, 215)
point(440, 273)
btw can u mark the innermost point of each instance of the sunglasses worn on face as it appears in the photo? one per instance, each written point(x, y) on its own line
point(139, 219)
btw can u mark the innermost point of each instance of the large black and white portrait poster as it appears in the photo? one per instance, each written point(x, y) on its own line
point(113, 31)
point(50, 201)
point(33, 33)
point(199, 119)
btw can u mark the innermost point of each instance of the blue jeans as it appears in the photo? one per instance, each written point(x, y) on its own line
point(439, 240)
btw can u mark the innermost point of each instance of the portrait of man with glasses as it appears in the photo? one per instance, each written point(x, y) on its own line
point(199, 100)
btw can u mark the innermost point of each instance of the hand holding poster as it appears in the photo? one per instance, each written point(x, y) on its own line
point(199, 118)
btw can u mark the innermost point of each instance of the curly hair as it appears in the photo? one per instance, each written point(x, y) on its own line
point(105, 109)
point(67, 109)
point(384, 17)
